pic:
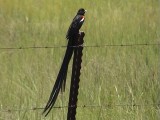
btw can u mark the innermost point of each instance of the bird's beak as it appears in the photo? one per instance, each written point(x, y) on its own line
point(85, 10)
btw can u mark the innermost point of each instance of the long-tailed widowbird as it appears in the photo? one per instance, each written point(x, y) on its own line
point(72, 34)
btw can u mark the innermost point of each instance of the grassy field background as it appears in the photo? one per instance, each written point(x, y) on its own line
point(110, 75)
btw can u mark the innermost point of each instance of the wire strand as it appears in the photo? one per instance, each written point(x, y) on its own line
point(83, 106)
point(63, 46)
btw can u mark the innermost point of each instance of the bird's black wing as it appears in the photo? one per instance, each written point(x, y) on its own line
point(75, 26)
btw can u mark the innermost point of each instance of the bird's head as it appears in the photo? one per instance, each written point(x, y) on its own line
point(81, 11)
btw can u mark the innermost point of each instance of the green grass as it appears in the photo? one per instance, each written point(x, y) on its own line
point(109, 75)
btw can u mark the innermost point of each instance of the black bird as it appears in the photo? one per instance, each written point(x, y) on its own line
point(72, 34)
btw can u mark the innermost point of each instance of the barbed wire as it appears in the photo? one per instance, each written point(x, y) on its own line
point(83, 106)
point(63, 46)
point(80, 106)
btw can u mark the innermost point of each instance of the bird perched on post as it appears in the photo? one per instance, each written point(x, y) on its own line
point(71, 35)
point(76, 24)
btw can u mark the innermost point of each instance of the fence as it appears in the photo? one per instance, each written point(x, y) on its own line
point(105, 106)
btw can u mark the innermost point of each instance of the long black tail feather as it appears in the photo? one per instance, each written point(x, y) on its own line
point(61, 79)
